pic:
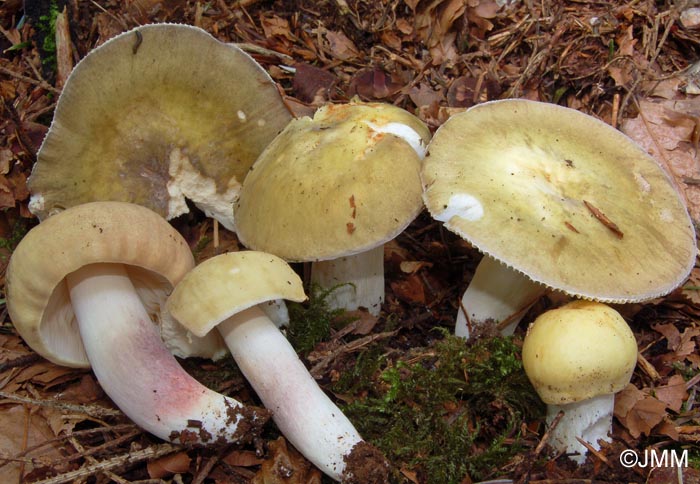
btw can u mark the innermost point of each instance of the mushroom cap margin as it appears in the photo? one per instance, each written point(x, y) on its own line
point(335, 185)
point(155, 254)
point(155, 115)
point(229, 283)
point(513, 177)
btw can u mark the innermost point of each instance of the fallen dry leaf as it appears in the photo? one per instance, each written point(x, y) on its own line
point(409, 289)
point(242, 458)
point(341, 46)
point(673, 394)
point(373, 83)
point(312, 84)
point(666, 130)
point(14, 421)
point(637, 411)
point(286, 466)
point(170, 464)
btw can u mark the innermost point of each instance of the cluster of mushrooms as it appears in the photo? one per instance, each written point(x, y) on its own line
point(554, 199)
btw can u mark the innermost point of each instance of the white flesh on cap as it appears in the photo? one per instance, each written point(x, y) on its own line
point(590, 420)
point(498, 294)
point(301, 410)
point(136, 370)
point(358, 280)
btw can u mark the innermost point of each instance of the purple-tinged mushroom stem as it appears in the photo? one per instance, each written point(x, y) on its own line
point(136, 370)
point(301, 410)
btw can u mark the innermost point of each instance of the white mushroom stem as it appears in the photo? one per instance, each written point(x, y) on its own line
point(358, 280)
point(590, 420)
point(498, 294)
point(136, 370)
point(301, 410)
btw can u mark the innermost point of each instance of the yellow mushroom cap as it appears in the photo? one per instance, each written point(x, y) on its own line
point(579, 351)
point(339, 184)
point(154, 253)
point(561, 197)
point(155, 115)
point(229, 283)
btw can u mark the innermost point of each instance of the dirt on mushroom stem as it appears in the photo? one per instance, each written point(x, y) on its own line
point(365, 464)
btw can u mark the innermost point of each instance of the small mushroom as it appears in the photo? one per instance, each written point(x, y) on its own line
point(554, 198)
point(227, 292)
point(333, 190)
point(82, 288)
point(577, 357)
point(153, 116)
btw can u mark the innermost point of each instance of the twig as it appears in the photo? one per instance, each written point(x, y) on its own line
point(256, 49)
point(133, 457)
point(82, 453)
point(43, 84)
point(647, 367)
point(593, 451)
point(19, 361)
point(348, 348)
point(91, 410)
point(548, 432)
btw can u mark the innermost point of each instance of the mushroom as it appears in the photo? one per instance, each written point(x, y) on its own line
point(554, 198)
point(577, 357)
point(333, 190)
point(227, 292)
point(81, 289)
point(155, 115)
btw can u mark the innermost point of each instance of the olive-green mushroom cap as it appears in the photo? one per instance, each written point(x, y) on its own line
point(155, 255)
point(229, 283)
point(344, 182)
point(579, 351)
point(155, 115)
point(561, 197)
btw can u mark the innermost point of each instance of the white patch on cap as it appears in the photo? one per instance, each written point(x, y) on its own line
point(642, 183)
point(403, 131)
point(461, 205)
point(187, 182)
point(36, 203)
point(242, 116)
point(666, 215)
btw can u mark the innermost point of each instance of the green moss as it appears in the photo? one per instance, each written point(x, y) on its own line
point(454, 410)
point(200, 246)
point(47, 27)
point(310, 322)
point(693, 457)
point(19, 229)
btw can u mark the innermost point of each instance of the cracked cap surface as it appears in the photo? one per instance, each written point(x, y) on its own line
point(155, 115)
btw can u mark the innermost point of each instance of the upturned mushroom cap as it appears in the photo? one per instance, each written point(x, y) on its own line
point(579, 351)
point(154, 253)
point(155, 115)
point(229, 283)
point(561, 197)
point(339, 184)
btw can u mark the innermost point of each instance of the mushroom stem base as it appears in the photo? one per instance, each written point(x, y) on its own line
point(357, 280)
point(139, 374)
point(590, 420)
point(496, 294)
point(301, 410)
